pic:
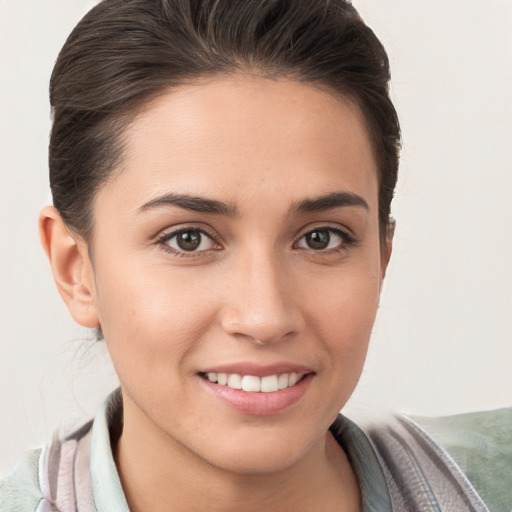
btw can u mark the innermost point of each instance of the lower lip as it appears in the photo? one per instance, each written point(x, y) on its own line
point(260, 404)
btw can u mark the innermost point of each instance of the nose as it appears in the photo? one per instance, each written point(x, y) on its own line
point(260, 304)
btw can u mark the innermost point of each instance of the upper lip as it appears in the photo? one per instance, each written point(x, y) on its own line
point(258, 370)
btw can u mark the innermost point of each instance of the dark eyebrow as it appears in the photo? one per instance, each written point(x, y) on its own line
point(329, 201)
point(194, 203)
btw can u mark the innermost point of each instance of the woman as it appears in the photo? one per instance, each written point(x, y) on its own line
point(222, 175)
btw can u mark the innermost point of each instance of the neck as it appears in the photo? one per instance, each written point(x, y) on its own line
point(161, 474)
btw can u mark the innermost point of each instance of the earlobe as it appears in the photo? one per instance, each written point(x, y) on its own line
point(71, 267)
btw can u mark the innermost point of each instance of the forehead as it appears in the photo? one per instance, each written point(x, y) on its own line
point(251, 134)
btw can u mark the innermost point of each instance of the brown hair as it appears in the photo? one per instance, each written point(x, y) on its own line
point(124, 52)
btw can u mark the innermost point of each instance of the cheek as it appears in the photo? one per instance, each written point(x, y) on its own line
point(344, 313)
point(150, 316)
point(345, 326)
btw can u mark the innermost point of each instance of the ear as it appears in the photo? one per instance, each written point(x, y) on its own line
point(387, 248)
point(71, 267)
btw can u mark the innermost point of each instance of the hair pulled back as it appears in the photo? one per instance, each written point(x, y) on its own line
point(125, 52)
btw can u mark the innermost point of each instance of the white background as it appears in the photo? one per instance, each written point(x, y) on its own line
point(443, 339)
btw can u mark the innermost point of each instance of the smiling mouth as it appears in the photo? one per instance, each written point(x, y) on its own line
point(254, 384)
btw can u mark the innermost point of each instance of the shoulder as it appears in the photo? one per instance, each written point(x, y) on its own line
point(420, 472)
point(20, 492)
point(481, 445)
point(53, 478)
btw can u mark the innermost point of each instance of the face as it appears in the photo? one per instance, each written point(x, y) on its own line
point(239, 242)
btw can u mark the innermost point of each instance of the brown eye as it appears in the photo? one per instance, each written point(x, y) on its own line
point(323, 239)
point(190, 240)
point(318, 239)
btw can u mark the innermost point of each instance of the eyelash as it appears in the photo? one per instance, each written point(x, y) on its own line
point(347, 241)
point(164, 239)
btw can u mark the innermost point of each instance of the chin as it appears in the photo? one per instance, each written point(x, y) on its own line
point(256, 462)
point(263, 453)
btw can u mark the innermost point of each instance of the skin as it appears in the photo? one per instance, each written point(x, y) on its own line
point(255, 291)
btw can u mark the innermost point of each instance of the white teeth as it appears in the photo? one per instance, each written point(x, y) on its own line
point(292, 379)
point(283, 381)
point(253, 384)
point(235, 381)
point(269, 384)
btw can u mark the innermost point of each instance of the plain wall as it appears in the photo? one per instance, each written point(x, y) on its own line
point(442, 341)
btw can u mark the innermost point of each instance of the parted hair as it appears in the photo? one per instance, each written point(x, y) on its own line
point(123, 53)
